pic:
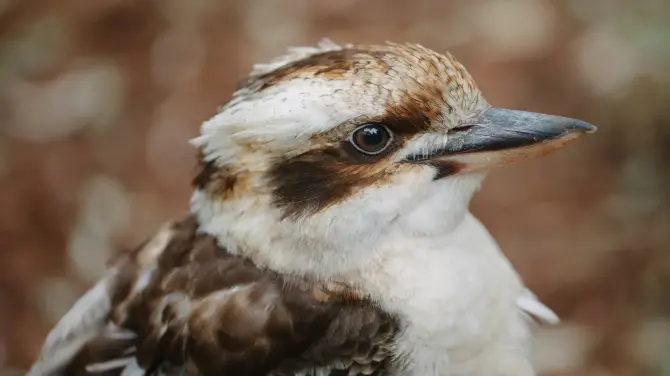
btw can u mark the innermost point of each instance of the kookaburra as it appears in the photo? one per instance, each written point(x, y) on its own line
point(329, 233)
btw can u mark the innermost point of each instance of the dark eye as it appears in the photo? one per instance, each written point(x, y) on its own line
point(371, 138)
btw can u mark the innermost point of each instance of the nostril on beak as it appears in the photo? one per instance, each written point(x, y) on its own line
point(461, 128)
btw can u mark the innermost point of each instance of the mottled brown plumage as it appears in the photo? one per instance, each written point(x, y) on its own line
point(195, 307)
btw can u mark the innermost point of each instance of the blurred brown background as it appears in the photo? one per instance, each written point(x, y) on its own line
point(99, 98)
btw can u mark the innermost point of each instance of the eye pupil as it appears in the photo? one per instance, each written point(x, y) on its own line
point(371, 138)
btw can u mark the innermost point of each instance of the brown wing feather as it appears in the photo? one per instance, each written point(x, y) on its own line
point(197, 309)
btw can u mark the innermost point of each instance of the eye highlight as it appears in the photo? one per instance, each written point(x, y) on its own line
point(371, 138)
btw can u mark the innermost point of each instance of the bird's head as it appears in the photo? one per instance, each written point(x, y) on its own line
point(327, 153)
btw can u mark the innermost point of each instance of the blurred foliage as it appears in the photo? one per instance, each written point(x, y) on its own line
point(98, 99)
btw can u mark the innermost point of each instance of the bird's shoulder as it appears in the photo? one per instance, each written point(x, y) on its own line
point(179, 302)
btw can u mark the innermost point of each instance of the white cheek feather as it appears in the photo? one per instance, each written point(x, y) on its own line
point(436, 213)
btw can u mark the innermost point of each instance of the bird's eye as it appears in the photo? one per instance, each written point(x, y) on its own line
point(371, 138)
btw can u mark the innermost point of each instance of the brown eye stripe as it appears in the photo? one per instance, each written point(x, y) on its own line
point(315, 180)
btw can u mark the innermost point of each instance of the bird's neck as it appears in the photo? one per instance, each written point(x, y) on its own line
point(430, 278)
point(456, 296)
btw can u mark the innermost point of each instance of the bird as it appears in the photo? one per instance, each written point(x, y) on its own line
point(329, 233)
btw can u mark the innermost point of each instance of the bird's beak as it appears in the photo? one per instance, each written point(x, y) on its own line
point(500, 136)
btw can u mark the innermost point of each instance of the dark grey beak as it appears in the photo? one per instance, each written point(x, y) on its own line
point(499, 129)
point(500, 137)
